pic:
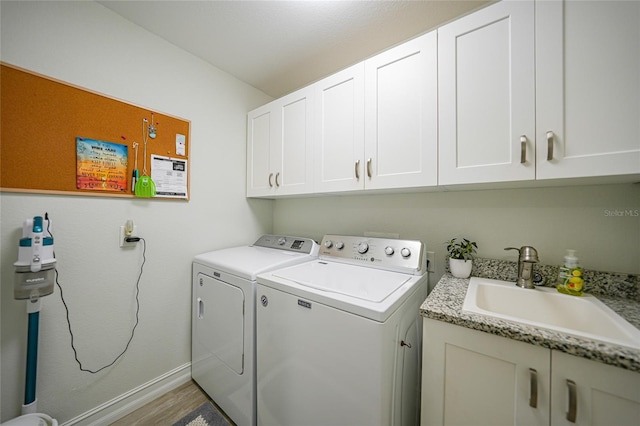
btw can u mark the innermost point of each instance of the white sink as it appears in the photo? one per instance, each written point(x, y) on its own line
point(544, 307)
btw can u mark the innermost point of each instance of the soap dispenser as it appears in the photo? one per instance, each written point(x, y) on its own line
point(571, 276)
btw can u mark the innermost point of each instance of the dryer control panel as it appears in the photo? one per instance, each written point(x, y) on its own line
point(408, 256)
point(283, 242)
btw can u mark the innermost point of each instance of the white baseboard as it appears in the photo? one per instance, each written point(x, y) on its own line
point(128, 402)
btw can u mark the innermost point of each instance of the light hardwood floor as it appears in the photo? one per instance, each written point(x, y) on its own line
point(168, 408)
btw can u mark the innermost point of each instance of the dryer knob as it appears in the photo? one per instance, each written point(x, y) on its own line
point(328, 244)
point(405, 252)
point(339, 245)
point(282, 241)
point(389, 250)
point(363, 248)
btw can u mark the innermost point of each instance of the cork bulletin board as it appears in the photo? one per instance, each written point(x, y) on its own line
point(50, 128)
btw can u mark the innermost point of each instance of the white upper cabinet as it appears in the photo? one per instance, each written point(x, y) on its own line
point(487, 95)
point(279, 148)
point(517, 91)
point(588, 88)
point(339, 136)
point(376, 122)
point(260, 142)
point(401, 116)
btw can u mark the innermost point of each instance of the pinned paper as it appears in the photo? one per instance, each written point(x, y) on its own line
point(180, 144)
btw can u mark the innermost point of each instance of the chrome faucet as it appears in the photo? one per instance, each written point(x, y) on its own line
point(528, 256)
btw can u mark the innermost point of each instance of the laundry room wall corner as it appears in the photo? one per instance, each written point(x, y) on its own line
point(87, 45)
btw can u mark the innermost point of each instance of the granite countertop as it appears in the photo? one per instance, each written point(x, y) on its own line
point(445, 304)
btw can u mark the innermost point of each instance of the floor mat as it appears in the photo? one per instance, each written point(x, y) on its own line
point(205, 415)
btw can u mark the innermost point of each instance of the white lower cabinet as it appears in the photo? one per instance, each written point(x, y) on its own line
point(591, 393)
point(475, 378)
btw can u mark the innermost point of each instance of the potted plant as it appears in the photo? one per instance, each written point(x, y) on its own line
point(461, 254)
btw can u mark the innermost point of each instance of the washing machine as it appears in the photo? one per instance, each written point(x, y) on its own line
point(223, 318)
point(339, 338)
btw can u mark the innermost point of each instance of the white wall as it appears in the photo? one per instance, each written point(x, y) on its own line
point(590, 219)
point(87, 45)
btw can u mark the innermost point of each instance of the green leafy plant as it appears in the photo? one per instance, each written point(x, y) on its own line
point(464, 250)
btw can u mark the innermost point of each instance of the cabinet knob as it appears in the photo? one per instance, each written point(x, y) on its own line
point(357, 167)
point(270, 184)
point(369, 168)
point(277, 183)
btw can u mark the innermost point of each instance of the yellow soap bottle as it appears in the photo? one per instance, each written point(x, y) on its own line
point(571, 276)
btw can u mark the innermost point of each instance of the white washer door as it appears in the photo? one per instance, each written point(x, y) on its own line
point(219, 320)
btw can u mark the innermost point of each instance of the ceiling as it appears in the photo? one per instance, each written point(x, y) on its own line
point(280, 46)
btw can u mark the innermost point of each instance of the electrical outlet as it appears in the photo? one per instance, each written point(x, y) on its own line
point(123, 235)
point(431, 259)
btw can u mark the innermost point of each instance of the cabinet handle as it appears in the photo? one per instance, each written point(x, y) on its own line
point(200, 308)
point(369, 167)
point(357, 170)
point(523, 149)
point(549, 146)
point(533, 388)
point(277, 183)
point(270, 176)
point(573, 401)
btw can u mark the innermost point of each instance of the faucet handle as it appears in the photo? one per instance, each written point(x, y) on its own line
point(527, 253)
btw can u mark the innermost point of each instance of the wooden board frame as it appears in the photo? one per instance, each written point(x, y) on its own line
point(41, 118)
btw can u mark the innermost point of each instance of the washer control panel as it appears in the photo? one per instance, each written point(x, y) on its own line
point(406, 256)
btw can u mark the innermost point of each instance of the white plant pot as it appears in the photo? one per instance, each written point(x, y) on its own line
point(460, 268)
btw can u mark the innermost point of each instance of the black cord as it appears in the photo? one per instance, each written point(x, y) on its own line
point(133, 330)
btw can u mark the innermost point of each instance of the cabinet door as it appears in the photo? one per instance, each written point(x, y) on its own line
point(588, 88)
point(294, 134)
point(603, 394)
point(486, 95)
point(401, 116)
point(339, 124)
point(260, 140)
point(474, 378)
point(279, 150)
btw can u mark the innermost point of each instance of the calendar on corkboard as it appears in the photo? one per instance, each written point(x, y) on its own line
point(57, 138)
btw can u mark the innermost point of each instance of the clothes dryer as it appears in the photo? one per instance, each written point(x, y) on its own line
point(339, 338)
point(223, 318)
